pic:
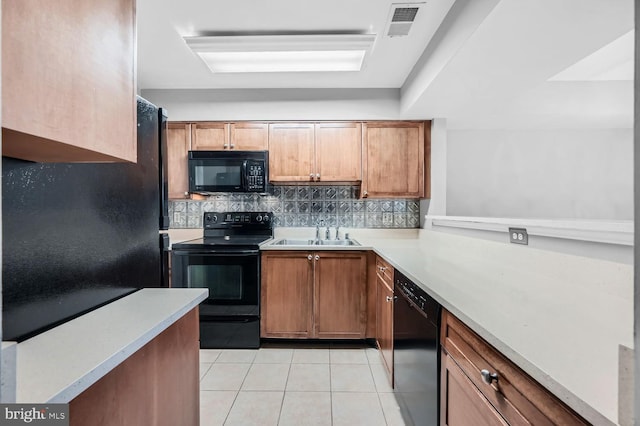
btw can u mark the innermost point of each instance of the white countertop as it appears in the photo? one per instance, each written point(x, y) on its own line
point(560, 317)
point(59, 364)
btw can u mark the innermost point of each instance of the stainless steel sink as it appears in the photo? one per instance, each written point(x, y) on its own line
point(311, 242)
point(292, 242)
point(338, 243)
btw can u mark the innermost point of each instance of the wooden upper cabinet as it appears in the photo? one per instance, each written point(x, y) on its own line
point(241, 136)
point(340, 294)
point(291, 152)
point(393, 160)
point(338, 152)
point(320, 152)
point(249, 136)
point(178, 145)
point(209, 136)
point(68, 90)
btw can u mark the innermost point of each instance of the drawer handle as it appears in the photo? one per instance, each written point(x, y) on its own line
point(487, 377)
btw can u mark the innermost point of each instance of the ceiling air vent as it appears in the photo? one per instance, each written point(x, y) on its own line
point(402, 17)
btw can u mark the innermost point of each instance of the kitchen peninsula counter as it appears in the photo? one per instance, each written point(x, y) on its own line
point(559, 317)
point(60, 364)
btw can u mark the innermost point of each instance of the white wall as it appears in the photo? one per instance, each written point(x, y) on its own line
point(278, 104)
point(550, 174)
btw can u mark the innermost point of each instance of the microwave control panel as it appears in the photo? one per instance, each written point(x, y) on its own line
point(255, 176)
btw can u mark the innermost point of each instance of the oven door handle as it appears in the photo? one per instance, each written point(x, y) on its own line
point(244, 253)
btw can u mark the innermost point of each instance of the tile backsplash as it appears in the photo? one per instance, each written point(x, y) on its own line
point(304, 205)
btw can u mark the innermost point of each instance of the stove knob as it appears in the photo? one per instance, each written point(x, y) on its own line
point(266, 218)
point(259, 218)
point(208, 218)
point(214, 218)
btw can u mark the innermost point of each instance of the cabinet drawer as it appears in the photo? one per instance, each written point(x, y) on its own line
point(515, 395)
point(385, 271)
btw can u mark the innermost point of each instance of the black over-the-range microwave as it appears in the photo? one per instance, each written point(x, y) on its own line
point(228, 171)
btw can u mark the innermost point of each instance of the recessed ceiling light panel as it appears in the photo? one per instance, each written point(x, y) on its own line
point(282, 53)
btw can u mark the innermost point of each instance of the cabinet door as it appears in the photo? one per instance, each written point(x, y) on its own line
point(249, 136)
point(384, 324)
point(286, 294)
point(393, 160)
point(209, 136)
point(291, 152)
point(340, 294)
point(178, 145)
point(339, 152)
point(68, 80)
point(461, 402)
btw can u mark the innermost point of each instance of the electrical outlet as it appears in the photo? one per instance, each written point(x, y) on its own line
point(518, 236)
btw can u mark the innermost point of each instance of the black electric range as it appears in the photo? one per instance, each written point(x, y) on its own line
point(226, 261)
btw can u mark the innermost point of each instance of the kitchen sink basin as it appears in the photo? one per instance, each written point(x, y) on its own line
point(311, 242)
point(291, 242)
point(337, 243)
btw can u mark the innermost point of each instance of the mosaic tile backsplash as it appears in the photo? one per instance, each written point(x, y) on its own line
point(300, 206)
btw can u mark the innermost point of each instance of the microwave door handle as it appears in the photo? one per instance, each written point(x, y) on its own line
point(243, 175)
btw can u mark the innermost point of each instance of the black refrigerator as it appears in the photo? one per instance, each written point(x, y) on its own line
point(78, 236)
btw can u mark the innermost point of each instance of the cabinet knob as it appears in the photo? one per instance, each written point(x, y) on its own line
point(382, 268)
point(225, 146)
point(317, 257)
point(309, 257)
point(487, 377)
point(365, 194)
point(233, 145)
point(391, 298)
point(318, 176)
point(311, 176)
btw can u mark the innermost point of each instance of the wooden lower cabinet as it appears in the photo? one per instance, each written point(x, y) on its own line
point(318, 294)
point(384, 314)
point(514, 398)
point(157, 385)
point(286, 296)
point(463, 403)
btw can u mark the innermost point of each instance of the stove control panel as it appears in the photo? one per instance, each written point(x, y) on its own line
point(223, 220)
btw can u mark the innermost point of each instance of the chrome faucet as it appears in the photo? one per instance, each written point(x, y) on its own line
point(318, 225)
point(337, 232)
point(326, 234)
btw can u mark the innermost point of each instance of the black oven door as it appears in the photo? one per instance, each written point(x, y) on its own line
point(232, 279)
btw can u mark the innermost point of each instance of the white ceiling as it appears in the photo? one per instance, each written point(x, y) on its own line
point(478, 63)
point(165, 61)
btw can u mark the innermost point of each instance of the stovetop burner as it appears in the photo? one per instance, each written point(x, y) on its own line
point(232, 229)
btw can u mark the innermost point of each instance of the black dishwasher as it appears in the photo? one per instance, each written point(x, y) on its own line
point(416, 354)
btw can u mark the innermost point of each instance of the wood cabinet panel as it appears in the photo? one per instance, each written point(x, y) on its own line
point(338, 152)
point(384, 319)
point(462, 403)
point(516, 396)
point(68, 91)
point(249, 136)
point(209, 136)
point(393, 160)
point(313, 294)
point(157, 385)
point(286, 295)
point(340, 294)
point(291, 152)
point(178, 145)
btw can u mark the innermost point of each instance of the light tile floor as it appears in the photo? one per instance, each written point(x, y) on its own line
point(295, 386)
